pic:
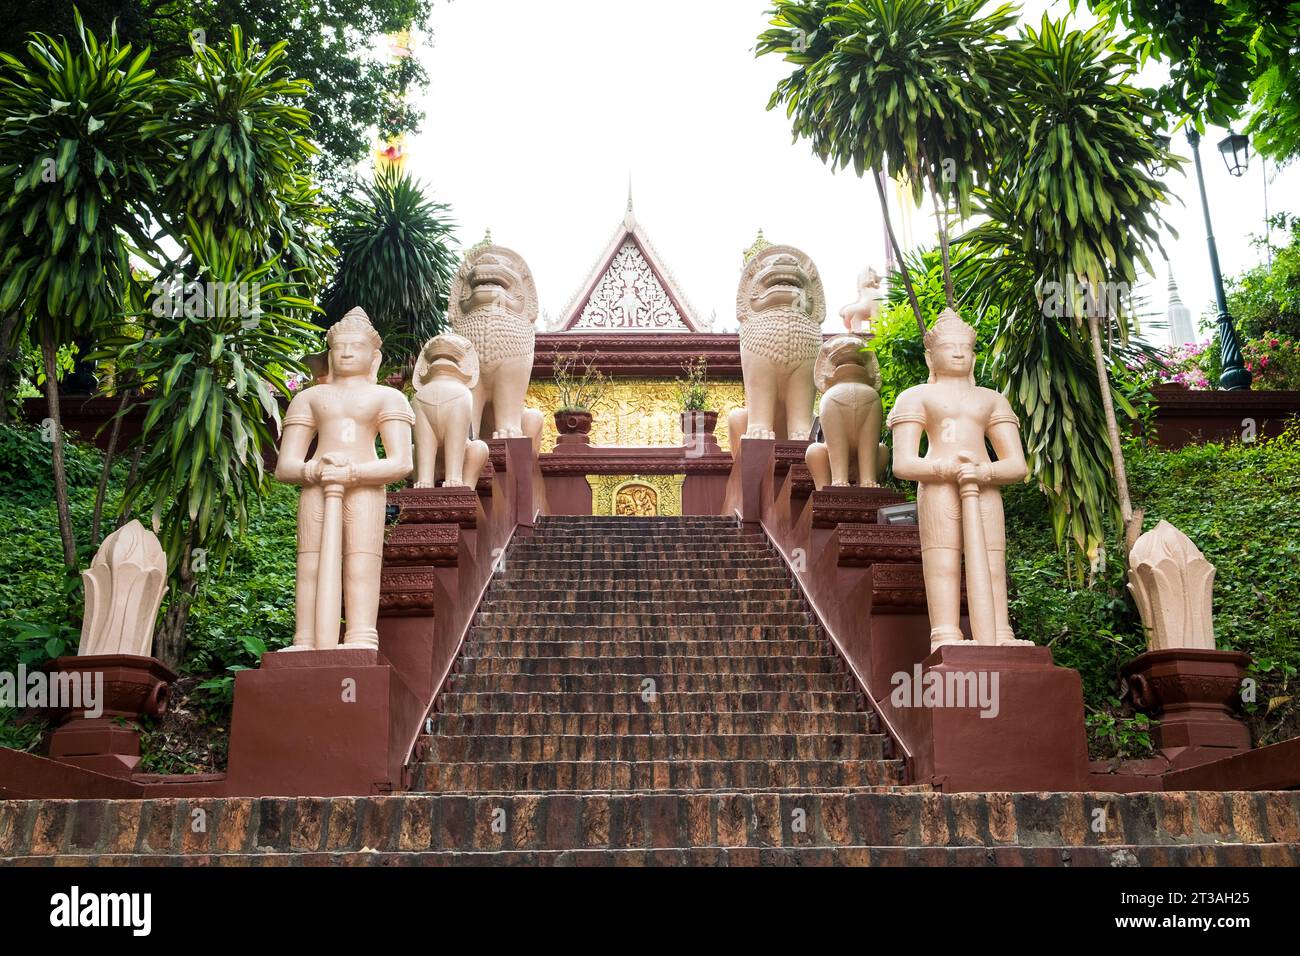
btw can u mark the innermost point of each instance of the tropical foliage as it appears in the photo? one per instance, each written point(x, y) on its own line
point(330, 44)
point(1071, 212)
point(397, 259)
point(78, 145)
point(896, 86)
point(1226, 59)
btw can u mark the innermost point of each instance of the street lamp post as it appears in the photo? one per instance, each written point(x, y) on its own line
point(1235, 375)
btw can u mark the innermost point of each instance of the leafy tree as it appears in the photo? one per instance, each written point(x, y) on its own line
point(1226, 59)
point(1265, 299)
point(78, 147)
point(901, 86)
point(328, 43)
point(397, 258)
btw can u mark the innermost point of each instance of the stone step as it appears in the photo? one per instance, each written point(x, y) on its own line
point(625, 747)
point(630, 620)
point(684, 550)
point(674, 774)
point(1259, 827)
point(666, 605)
point(667, 724)
point(541, 592)
point(1197, 855)
point(731, 558)
point(688, 580)
point(756, 638)
point(601, 536)
point(633, 683)
point(631, 702)
point(661, 663)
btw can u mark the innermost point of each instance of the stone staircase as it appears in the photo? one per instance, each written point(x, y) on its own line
point(655, 691)
point(635, 655)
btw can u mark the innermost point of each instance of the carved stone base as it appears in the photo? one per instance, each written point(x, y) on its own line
point(1194, 696)
point(133, 688)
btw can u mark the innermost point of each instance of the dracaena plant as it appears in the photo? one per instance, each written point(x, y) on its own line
point(218, 348)
point(1075, 206)
point(904, 87)
point(243, 145)
point(397, 259)
point(79, 156)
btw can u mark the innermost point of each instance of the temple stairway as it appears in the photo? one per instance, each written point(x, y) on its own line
point(642, 691)
point(633, 655)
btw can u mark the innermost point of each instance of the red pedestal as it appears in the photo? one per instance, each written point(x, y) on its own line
point(1033, 738)
point(344, 707)
point(1194, 695)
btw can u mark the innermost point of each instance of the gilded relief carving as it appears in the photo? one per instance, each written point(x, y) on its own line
point(636, 495)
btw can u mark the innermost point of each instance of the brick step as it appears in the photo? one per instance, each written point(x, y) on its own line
point(684, 550)
point(669, 724)
point(543, 580)
point(571, 595)
point(685, 580)
point(1198, 855)
point(673, 535)
point(632, 683)
point(665, 605)
point(631, 703)
point(582, 747)
point(692, 775)
point(629, 620)
point(766, 636)
point(562, 559)
point(666, 663)
point(1265, 826)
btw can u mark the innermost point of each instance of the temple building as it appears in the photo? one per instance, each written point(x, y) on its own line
point(631, 320)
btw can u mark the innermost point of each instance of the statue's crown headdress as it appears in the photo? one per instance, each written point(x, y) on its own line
point(355, 320)
point(949, 326)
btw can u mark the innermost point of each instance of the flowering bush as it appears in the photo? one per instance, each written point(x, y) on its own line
point(1274, 360)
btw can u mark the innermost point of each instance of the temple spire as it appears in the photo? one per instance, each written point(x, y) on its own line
point(629, 217)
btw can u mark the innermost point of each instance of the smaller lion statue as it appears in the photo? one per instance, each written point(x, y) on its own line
point(860, 317)
point(851, 416)
point(780, 306)
point(445, 376)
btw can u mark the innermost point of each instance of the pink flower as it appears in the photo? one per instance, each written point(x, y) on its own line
point(1275, 343)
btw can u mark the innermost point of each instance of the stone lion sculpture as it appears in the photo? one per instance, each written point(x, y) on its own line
point(860, 317)
point(851, 415)
point(780, 306)
point(446, 374)
point(493, 303)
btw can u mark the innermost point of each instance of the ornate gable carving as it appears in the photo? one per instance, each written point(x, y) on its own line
point(629, 296)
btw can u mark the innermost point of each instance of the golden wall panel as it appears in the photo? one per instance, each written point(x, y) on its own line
point(636, 495)
point(637, 412)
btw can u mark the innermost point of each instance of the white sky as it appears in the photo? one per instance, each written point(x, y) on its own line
point(538, 113)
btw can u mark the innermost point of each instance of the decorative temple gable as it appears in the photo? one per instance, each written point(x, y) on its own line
point(629, 290)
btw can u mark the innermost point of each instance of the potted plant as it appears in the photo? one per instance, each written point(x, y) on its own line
point(579, 392)
point(693, 396)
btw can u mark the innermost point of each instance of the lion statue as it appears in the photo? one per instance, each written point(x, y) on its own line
point(780, 306)
point(851, 414)
point(860, 317)
point(493, 303)
point(446, 374)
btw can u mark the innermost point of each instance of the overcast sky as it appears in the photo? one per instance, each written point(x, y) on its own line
point(538, 114)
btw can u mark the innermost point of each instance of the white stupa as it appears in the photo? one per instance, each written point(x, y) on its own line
point(1180, 317)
